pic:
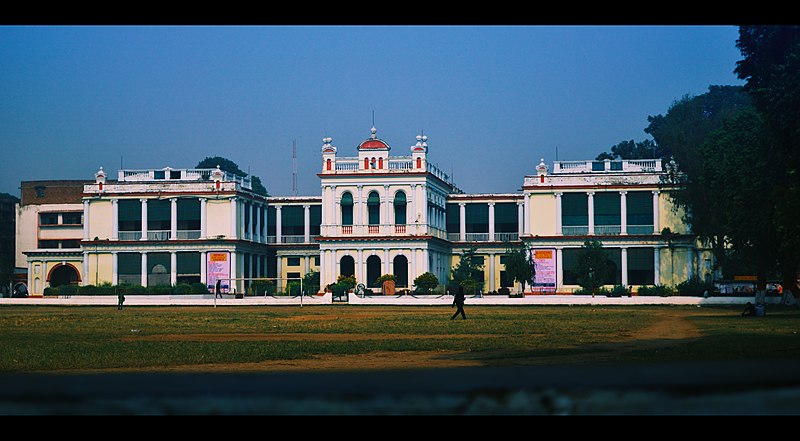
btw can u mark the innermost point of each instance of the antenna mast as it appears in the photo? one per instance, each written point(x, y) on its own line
point(294, 166)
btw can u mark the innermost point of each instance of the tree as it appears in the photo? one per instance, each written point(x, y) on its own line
point(231, 167)
point(311, 282)
point(425, 283)
point(468, 273)
point(646, 149)
point(519, 265)
point(702, 178)
point(591, 267)
point(771, 69)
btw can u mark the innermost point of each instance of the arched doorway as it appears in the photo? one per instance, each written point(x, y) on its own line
point(347, 266)
point(373, 271)
point(63, 274)
point(400, 268)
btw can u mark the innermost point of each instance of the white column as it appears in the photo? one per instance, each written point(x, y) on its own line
point(623, 212)
point(203, 267)
point(279, 282)
point(203, 217)
point(306, 264)
point(360, 274)
point(85, 222)
point(173, 219)
point(559, 268)
point(520, 219)
point(559, 231)
point(306, 223)
point(412, 219)
point(491, 221)
point(386, 266)
point(173, 267)
point(690, 263)
point(462, 221)
point(114, 219)
point(426, 262)
point(384, 221)
point(590, 203)
point(234, 268)
point(243, 207)
point(657, 265)
point(265, 228)
point(413, 273)
point(624, 265)
point(234, 215)
point(257, 223)
point(326, 202)
point(144, 219)
point(277, 224)
point(527, 213)
point(84, 276)
point(114, 268)
point(144, 269)
point(491, 271)
point(252, 265)
point(656, 228)
point(358, 207)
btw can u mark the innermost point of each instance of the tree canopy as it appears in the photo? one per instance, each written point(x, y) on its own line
point(468, 272)
point(519, 265)
point(591, 267)
point(231, 167)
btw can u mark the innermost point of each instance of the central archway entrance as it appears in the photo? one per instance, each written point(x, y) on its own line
point(63, 275)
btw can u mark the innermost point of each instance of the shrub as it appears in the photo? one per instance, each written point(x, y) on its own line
point(260, 286)
point(504, 291)
point(182, 288)
point(657, 290)
point(618, 291)
point(89, 290)
point(311, 282)
point(293, 288)
point(132, 289)
point(379, 281)
point(68, 290)
point(50, 291)
point(425, 283)
point(159, 289)
point(694, 287)
point(349, 282)
point(199, 288)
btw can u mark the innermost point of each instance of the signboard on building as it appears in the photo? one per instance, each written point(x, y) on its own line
point(544, 260)
point(218, 267)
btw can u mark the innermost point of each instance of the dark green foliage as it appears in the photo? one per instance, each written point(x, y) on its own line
point(656, 291)
point(646, 149)
point(519, 265)
point(425, 283)
point(618, 291)
point(199, 288)
point(260, 287)
point(467, 273)
point(694, 287)
point(591, 268)
point(231, 167)
point(293, 288)
point(311, 283)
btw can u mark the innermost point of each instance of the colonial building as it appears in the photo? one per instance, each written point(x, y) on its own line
point(377, 214)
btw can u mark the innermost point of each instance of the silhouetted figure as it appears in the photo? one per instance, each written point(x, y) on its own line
point(218, 289)
point(120, 301)
point(749, 310)
point(458, 301)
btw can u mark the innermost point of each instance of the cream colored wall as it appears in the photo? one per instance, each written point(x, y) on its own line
point(26, 225)
point(100, 219)
point(61, 233)
point(100, 269)
point(667, 217)
point(218, 217)
point(543, 214)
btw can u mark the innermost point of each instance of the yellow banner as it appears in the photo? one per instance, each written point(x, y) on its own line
point(543, 254)
point(218, 257)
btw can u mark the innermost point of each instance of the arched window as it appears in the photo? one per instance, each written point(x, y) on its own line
point(374, 208)
point(328, 164)
point(347, 208)
point(380, 163)
point(419, 162)
point(400, 208)
point(366, 163)
point(373, 271)
point(347, 266)
point(63, 275)
point(400, 271)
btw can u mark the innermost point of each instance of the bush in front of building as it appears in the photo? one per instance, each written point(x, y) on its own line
point(694, 287)
point(618, 291)
point(293, 288)
point(425, 283)
point(657, 291)
point(311, 283)
point(260, 287)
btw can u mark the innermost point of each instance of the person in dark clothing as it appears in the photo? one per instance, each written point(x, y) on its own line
point(218, 289)
point(458, 301)
point(749, 310)
point(120, 301)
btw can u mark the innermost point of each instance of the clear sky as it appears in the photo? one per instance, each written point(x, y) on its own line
point(492, 100)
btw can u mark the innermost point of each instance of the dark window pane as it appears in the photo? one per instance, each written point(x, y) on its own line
point(574, 209)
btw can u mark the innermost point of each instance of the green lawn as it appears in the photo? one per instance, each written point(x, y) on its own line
point(53, 339)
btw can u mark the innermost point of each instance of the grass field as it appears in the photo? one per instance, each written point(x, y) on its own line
point(345, 337)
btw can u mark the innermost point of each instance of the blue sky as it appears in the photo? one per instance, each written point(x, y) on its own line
point(491, 99)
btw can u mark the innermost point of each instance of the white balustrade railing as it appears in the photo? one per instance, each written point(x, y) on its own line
point(129, 235)
point(623, 165)
point(606, 230)
point(640, 229)
point(158, 234)
point(187, 234)
point(575, 231)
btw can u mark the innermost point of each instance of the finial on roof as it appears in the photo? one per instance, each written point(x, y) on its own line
point(373, 131)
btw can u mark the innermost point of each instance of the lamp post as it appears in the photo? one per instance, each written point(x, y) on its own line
point(96, 261)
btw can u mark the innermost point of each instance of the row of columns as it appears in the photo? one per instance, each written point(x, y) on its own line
point(590, 202)
point(329, 264)
point(623, 264)
point(173, 267)
point(333, 217)
point(462, 218)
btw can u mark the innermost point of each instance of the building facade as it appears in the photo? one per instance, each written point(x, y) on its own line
point(377, 214)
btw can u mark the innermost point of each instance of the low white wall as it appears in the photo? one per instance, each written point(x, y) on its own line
point(167, 300)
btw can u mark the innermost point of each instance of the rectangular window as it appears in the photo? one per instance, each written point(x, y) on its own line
point(506, 217)
point(188, 267)
point(158, 174)
point(613, 268)
point(574, 209)
point(293, 276)
point(130, 215)
point(477, 218)
point(316, 260)
point(189, 214)
point(48, 218)
point(72, 218)
point(453, 218)
point(271, 217)
point(639, 207)
point(292, 261)
point(606, 208)
point(292, 220)
point(641, 266)
point(129, 268)
point(48, 244)
point(174, 174)
point(158, 269)
point(158, 215)
point(315, 215)
point(71, 243)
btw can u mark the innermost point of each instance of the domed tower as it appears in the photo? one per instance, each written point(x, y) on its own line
point(373, 153)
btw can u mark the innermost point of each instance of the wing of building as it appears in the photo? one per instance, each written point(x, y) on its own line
point(377, 214)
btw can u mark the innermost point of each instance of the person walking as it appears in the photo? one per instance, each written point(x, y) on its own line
point(218, 289)
point(120, 301)
point(458, 301)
